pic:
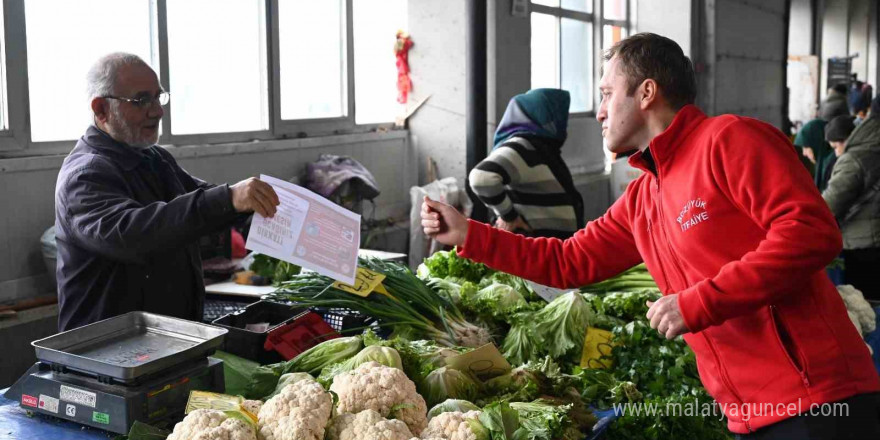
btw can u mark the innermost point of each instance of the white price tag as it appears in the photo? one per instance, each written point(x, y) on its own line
point(79, 396)
point(48, 403)
point(548, 293)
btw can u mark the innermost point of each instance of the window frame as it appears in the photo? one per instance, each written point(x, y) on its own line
point(325, 125)
point(598, 21)
point(16, 139)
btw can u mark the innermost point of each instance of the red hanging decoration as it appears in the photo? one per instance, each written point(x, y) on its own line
point(401, 49)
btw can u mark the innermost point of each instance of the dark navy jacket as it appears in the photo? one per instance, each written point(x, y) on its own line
point(127, 225)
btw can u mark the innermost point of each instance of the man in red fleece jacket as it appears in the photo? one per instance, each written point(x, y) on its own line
point(736, 235)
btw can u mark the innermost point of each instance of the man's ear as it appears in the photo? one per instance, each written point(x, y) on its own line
point(647, 93)
point(100, 109)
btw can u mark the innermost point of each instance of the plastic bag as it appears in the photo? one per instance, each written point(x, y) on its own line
point(446, 190)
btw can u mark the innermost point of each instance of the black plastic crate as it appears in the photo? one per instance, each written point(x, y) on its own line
point(349, 322)
point(249, 344)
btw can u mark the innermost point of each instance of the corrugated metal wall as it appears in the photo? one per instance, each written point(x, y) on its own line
point(741, 57)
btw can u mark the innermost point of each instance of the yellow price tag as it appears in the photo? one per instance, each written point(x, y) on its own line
point(206, 400)
point(365, 283)
point(484, 362)
point(597, 345)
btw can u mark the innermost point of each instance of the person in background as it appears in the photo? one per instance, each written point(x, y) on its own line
point(835, 103)
point(859, 98)
point(860, 102)
point(811, 140)
point(524, 181)
point(736, 236)
point(127, 217)
point(853, 195)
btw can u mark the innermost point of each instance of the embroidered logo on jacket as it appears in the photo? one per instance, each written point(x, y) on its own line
point(693, 213)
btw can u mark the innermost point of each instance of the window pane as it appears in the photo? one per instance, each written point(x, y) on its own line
point(577, 63)
point(217, 66)
point(313, 68)
point(545, 51)
point(614, 9)
point(64, 39)
point(553, 3)
point(578, 5)
point(375, 73)
point(611, 35)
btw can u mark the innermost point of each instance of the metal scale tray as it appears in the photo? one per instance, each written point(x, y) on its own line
point(130, 346)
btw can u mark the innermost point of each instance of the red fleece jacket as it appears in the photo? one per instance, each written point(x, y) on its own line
point(732, 222)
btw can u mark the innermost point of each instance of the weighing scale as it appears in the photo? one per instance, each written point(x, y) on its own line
point(138, 366)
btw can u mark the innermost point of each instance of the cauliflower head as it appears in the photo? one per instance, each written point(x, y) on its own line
point(230, 429)
point(859, 309)
point(252, 406)
point(456, 425)
point(299, 412)
point(367, 425)
point(209, 424)
point(384, 390)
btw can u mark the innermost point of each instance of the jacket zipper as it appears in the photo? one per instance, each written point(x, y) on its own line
point(669, 248)
point(724, 377)
point(657, 255)
point(801, 370)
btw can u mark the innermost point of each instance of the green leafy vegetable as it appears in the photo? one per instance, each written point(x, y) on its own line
point(448, 383)
point(452, 405)
point(561, 326)
point(274, 269)
point(326, 353)
point(522, 384)
point(540, 420)
point(634, 278)
point(496, 300)
point(375, 353)
point(411, 303)
point(247, 378)
point(143, 431)
point(628, 306)
point(500, 420)
point(448, 264)
point(520, 344)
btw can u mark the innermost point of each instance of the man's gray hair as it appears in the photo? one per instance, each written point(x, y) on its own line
point(102, 76)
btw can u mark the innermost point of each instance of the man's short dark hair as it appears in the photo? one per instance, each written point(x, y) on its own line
point(840, 88)
point(839, 128)
point(646, 55)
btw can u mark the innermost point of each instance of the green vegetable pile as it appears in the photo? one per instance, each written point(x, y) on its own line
point(273, 268)
point(452, 305)
point(634, 278)
point(546, 340)
point(411, 306)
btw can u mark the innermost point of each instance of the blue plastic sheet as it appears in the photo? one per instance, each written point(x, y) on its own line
point(15, 424)
point(606, 417)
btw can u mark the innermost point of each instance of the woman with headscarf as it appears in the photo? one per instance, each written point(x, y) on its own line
point(524, 181)
point(811, 139)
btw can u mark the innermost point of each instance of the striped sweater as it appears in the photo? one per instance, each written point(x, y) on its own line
point(522, 179)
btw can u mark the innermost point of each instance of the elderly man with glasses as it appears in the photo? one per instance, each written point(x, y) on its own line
point(127, 217)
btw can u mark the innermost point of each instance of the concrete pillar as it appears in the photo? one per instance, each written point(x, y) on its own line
point(859, 19)
point(800, 33)
point(437, 65)
point(835, 37)
point(670, 18)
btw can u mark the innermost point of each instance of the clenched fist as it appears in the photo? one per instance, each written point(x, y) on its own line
point(254, 195)
point(443, 223)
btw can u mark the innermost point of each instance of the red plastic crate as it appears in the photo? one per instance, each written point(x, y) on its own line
point(299, 335)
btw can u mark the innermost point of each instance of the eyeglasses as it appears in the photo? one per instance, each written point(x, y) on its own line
point(146, 101)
